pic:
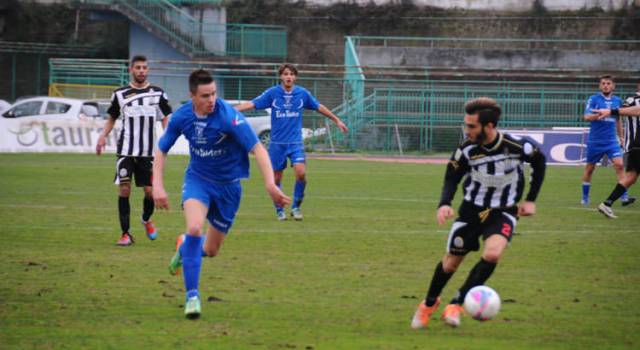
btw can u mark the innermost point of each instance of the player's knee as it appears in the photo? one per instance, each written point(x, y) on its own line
point(491, 256)
point(450, 268)
point(210, 251)
point(125, 191)
point(301, 176)
point(450, 265)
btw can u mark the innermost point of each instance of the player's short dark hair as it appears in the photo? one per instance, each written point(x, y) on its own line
point(290, 66)
point(138, 58)
point(488, 110)
point(607, 76)
point(199, 77)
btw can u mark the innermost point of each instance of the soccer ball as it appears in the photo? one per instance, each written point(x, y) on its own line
point(482, 303)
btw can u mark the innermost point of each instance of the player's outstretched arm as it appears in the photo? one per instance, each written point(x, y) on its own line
point(245, 106)
point(327, 113)
point(160, 197)
point(264, 163)
point(635, 110)
point(592, 117)
point(603, 113)
point(102, 139)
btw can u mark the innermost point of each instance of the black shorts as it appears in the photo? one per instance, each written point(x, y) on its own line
point(633, 160)
point(127, 167)
point(474, 222)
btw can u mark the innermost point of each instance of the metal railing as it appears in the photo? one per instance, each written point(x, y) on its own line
point(47, 48)
point(423, 115)
point(497, 43)
point(197, 38)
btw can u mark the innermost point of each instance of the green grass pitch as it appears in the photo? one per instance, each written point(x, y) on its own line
point(347, 277)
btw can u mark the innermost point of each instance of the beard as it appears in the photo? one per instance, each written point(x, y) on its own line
point(481, 136)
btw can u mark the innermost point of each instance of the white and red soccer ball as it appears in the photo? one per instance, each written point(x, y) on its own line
point(482, 303)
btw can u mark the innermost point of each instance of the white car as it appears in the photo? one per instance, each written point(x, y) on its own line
point(53, 108)
point(259, 120)
point(4, 105)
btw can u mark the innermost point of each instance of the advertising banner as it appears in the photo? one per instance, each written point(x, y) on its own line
point(72, 136)
point(565, 146)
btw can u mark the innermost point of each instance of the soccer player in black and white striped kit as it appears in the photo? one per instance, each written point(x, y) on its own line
point(631, 108)
point(492, 166)
point(140, 105)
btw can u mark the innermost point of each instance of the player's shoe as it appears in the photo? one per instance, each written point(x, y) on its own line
point(296, 213)
point(125, 240)
point(585, 201)
point(150, 229)
point(423, 314)
point(606, 211)
point(281, 215)
point(628, 201)
point(451, 315)
point(175, 265)
point(192, 308)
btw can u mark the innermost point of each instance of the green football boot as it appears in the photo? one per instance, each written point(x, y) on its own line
point(192, 308)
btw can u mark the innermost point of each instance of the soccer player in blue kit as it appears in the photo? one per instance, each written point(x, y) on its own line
point(287, 102)
point(219, 142)
point(604, 136)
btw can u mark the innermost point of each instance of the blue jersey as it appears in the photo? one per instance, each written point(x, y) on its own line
point(218, 143)
point(286, 111)
point(602, 131)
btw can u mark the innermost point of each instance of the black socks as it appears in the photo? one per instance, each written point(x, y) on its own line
point(439, 280)
point(477, 277)
point(615, 194)
point(147, 208)
point(124, 210)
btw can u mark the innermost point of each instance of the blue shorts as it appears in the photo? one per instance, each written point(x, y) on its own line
point(280, 152)
point(223, 200)
point(595, 152)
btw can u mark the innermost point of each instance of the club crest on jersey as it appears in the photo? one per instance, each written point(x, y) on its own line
point(199, 132)
point(287, 101)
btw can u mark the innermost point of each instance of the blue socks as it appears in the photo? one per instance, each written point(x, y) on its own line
point(298, 193)
point(586, 186)
point(625, 195)
point(191, 252)
point(278, 208)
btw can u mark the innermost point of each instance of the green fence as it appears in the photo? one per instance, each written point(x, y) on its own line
point(251, 40)
point(394, 113)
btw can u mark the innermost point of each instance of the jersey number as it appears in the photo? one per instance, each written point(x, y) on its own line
point(506, 229)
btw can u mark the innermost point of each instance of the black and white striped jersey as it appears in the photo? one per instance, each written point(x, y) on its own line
point(632, 124)
point(140, 109)
point(493, 174)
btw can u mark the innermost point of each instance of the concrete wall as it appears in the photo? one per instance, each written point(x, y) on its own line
point(498, 5)
point(141, 42)
point(214, 26)
point(496, 59)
